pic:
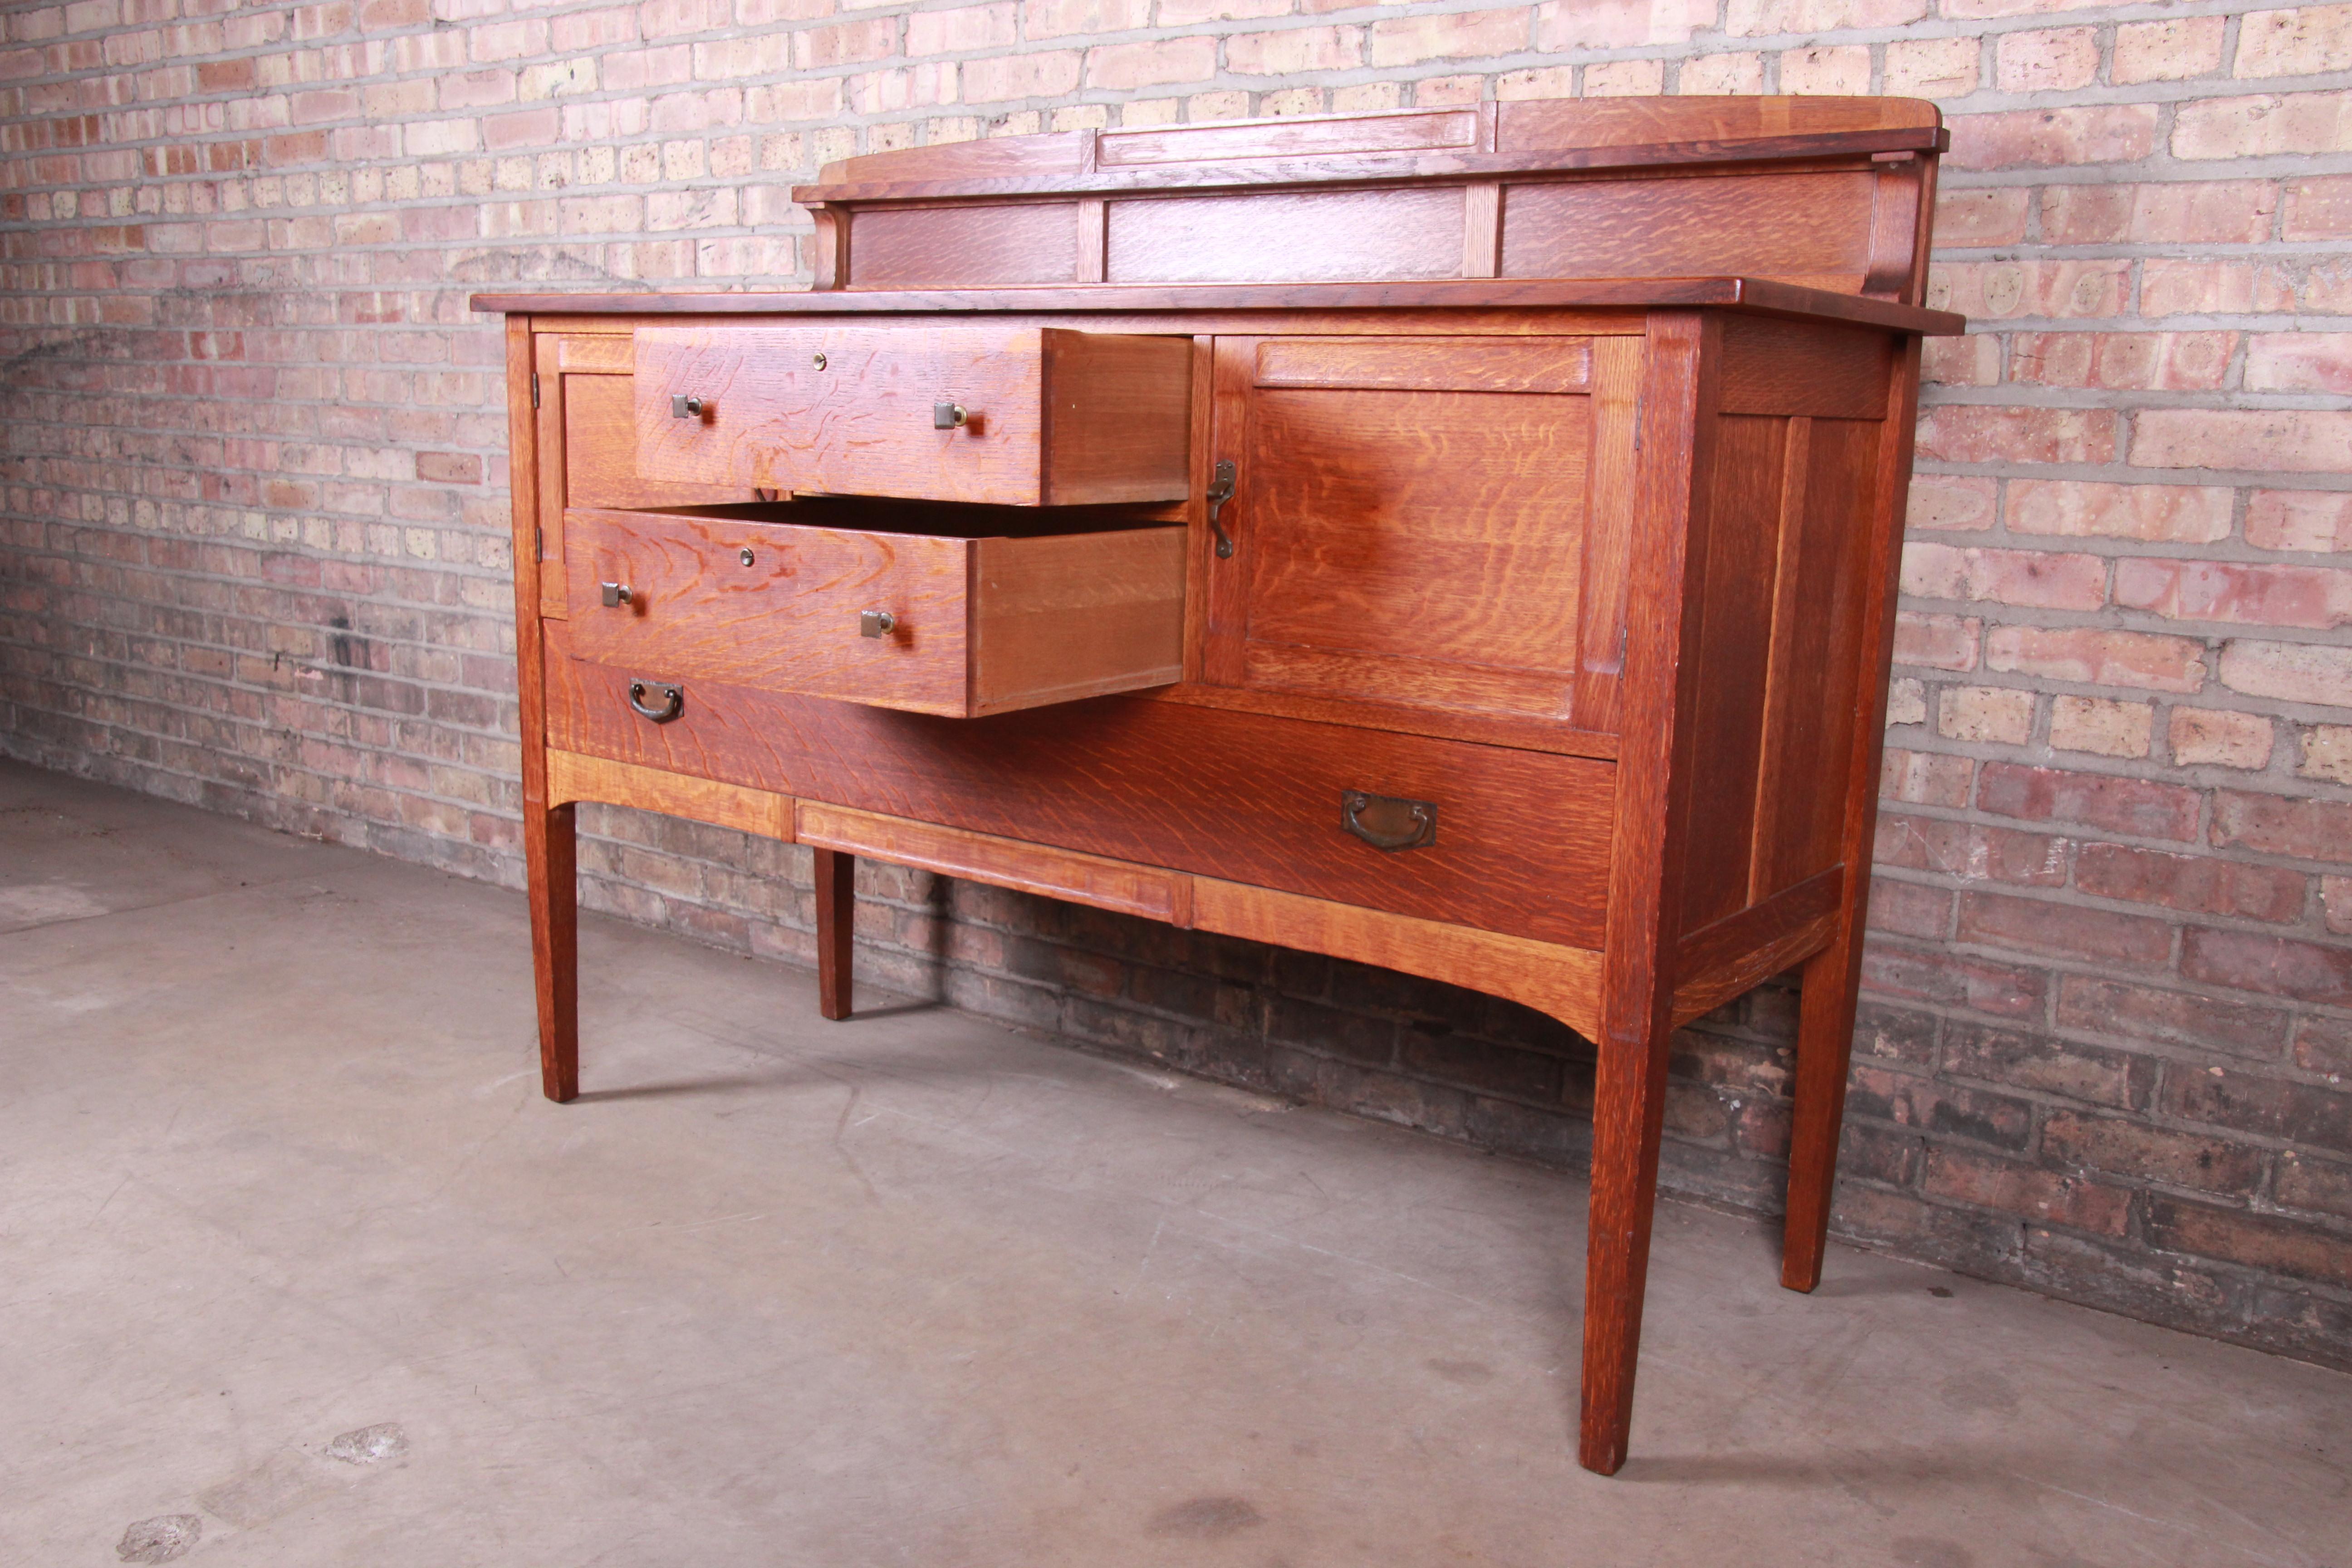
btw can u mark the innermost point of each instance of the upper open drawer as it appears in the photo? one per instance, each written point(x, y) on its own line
point(1014, 417)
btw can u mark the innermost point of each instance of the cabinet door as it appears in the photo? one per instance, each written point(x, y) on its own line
point(1412, 519)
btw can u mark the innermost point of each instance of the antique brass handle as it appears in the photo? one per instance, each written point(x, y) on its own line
point(876, 624)
point(1220, 491)
point(672, 704)
point(1386, 821)
point(617, 595)
point(948, 415)
point(684, 406)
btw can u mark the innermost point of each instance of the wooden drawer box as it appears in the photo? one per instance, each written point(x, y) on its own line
point(927, 622)
point(1014, 417)
point(1521, 843)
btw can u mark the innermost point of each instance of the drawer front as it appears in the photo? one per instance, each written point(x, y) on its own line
point(990, 414)
point(1521, 844)
point(975, 626)
point(787, 620)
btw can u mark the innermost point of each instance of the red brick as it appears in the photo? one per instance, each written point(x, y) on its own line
point(2139, 807)
point(1937, 642)
point(2221, 591)
point(2284, 824)
point(2135, 1148)
point(2045, 927)
point(2304, 40)
point(1910, 909)
point(2170, 361)
point(1565, 24)
point(2299, 361)
point(1940, 1108)
point(2171, 50)
point(2019, 1189)
point(2300, 519)
point(2131, 1010)
point(1990, 215)
point(2293, 440)
point(1924, 778)
point(2097, 1074)
point(2045, 579)
point(2297, 125)
point(2294, 672)
point(2216, 212)
point(2123, 132)
point(2095, 657)
point(1950, 501)
point(1963, 434)
point(1999, 290)
point(2276, 966)
point(2324, 1045)
point(2172, 514)
point(1971, 849)
point(1954, 980)
point(2194, 882)
point(1409, 40)
point(2321, 1186)
point(1151, 64)
point(2319, 207)
point(2255, 1241)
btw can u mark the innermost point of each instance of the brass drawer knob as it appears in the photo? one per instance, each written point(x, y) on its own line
point(876, 624)
point(616, 594)
point(1386, 821)
point(684, 406)
point(948, 415)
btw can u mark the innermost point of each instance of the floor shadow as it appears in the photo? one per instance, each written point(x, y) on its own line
point(684, 1087)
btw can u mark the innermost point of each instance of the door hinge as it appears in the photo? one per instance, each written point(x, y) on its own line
point(534, 389)
point(539, 544)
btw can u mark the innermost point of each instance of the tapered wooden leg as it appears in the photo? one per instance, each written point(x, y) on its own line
point(837, 928)
point(1824, 1051)
point(1628, 1114)
point(549, 846)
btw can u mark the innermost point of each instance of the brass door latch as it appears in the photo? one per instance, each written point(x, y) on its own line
point(1220, 491)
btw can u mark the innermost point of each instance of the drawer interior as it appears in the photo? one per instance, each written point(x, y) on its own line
point(960, 611)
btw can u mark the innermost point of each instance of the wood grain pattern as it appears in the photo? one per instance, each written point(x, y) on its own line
point(1618, 367)
point(1002, 243)
point(1310, 237)
point(575, 776)
point(1523, 837)
point(1804, 368)
point(1718, 961)
point(1826, 1008)
point(1191, 306)
point(550, 865)
point(1562, 981)
point(1427, 364)
point(834, 878)
point(1645, 872)
point(1104, 884)
point(1288, 138)
point(1409, 546)
point(1813, 227)
point(1052, 420)
point(983, 626)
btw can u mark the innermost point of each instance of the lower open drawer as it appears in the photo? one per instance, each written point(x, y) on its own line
point(901, 612)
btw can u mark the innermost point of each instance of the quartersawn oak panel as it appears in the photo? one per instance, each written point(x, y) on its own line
point(1301, 138)
point(1054, 416)
point(1411, 546)
point(1522, 840)
point(964, 247)
point(983, 624)
point(1814, 226)
point(1308, 237)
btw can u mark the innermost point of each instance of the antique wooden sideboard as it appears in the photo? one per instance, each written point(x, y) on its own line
point(1457, 540)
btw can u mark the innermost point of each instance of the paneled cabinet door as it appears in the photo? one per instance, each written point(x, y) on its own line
point(1435, 522)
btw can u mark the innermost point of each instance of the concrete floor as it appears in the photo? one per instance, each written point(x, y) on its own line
point(293, 1253)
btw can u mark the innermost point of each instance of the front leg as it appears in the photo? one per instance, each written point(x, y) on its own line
point(549, 850)
point(836, 929)
point(1628, 1117)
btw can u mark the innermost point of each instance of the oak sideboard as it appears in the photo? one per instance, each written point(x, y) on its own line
point(1457, 540)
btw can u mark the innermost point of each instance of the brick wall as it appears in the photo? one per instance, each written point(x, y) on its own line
point(255, 550)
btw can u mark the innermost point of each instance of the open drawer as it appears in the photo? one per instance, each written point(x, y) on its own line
point(928, 609)
point(1004, 416)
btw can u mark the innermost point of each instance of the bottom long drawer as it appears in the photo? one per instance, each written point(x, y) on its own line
point(1521, 844)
